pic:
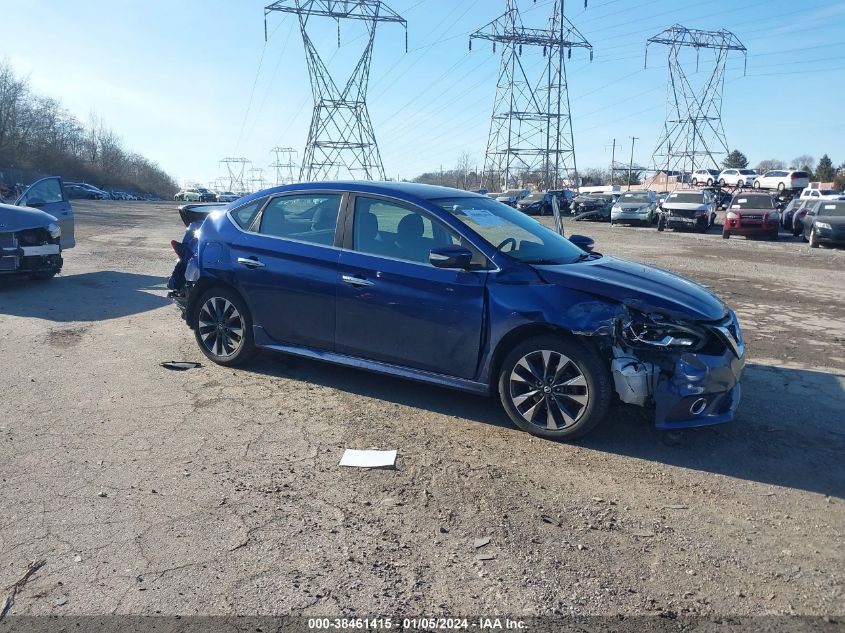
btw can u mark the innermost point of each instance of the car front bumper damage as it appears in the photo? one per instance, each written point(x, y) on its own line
point(21, 254)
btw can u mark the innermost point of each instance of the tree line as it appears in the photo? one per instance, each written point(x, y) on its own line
point(38, 135)
point(821, 171)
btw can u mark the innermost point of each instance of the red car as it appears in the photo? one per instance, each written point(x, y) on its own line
point(752, 214)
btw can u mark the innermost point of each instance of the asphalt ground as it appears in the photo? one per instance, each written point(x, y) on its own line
point(218, 491)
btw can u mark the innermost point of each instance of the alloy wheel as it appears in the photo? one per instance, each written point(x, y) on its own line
point(221, 327)
point(548, 390)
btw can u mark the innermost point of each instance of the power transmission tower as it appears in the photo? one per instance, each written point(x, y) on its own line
point(531, 126)
point(256, 179)
point(235, 169)
point(284, 165)
point(341, 133)
point(693, 136)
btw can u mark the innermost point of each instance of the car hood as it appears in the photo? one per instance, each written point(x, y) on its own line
point(14, 218)
point(631, 205)
point(685, 206)
point(638, 285)
point(833, 220)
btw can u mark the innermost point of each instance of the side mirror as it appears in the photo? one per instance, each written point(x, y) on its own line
point(35, 202)
point(450, 257)
point(583, 242)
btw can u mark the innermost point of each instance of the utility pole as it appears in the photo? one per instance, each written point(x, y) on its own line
point(284, 165)
point(612, 163)
point(341, 133)
point(531, 126)
point(693, 135)
point(634, 139)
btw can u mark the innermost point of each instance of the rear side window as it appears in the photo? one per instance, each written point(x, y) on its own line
point(243, 216)
point(303, 217)
point(800, 174)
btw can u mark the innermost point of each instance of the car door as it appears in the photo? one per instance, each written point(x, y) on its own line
point(393, 305)
point(285, 265)
point(49, 195)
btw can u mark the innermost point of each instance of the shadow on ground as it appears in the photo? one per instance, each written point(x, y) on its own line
point(790, 430)
point(96, 296)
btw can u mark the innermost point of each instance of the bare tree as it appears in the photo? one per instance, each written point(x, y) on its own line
point(767, 165)
point(37, 135)
point(463, 169)
point(804, 162)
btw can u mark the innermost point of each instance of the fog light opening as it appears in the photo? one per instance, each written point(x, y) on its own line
point(698, 406)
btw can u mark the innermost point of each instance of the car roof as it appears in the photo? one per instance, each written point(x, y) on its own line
point(398, 189)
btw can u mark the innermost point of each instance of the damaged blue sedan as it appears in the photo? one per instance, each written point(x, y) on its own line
point(454, 289)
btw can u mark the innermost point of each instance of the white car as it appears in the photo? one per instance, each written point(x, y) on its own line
point(705, 177)
point(814, 193)
point(738, 177)
point(781, 179)
point(227, 196)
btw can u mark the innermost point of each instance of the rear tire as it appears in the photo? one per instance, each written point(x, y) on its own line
point(554, 387)
point(43, 276)
point(223, 327)
point(756, 185)
point(721, 182)
point(781, 186)
point(661, 223)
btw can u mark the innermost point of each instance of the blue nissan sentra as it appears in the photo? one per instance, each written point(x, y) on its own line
point(452, 288)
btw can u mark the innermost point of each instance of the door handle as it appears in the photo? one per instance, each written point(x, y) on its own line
point(250, 262)
point(356, 281)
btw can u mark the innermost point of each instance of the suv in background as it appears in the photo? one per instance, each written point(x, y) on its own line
point(781, 179)
point(737, 177)
point(752, 214)
point(705, 177)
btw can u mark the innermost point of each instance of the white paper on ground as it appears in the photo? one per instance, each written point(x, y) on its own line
point(368, 459)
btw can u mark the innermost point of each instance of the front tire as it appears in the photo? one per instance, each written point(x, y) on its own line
point(781, 186)
point(554, 387)
point(726, 235)
point(223, 327)
point(756, 185)
point(814, 240)
point(721, 182)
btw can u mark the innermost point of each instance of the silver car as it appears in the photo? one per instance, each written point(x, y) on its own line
point(638, 207)
point(35, 230)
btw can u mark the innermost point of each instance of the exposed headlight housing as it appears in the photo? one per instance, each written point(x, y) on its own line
point(54, 230)
point(732, 216)
point(653, 332)
point(616, 208)
point(823, 225)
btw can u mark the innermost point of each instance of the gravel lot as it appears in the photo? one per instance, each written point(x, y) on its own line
point(215, 491)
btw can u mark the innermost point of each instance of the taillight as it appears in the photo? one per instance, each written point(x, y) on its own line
point(794, 177)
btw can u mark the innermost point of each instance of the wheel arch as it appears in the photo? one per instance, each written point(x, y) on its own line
point(200, 288)
point(522, 333)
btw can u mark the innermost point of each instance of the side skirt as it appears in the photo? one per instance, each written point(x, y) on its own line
point(461, 384)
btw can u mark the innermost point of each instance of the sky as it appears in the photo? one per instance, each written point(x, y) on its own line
point(189, 82)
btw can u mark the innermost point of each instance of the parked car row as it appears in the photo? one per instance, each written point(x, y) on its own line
point(201, 194)
point(85, 191)
point(778, 179)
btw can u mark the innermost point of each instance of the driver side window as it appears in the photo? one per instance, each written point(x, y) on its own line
point(48, 191)
point(388, 229)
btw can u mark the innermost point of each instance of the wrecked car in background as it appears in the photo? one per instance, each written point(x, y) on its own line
point(687, 209)
point(35, 230)
point(454, 289)
point(593, 206)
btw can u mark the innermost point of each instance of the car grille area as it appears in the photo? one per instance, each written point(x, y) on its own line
point(12, 247)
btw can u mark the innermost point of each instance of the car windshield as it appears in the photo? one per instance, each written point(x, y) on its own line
point(512, 232)
point(832, 209)
point(534, 197)
point(635, 196)
point(686, 197)
point(752, 202)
